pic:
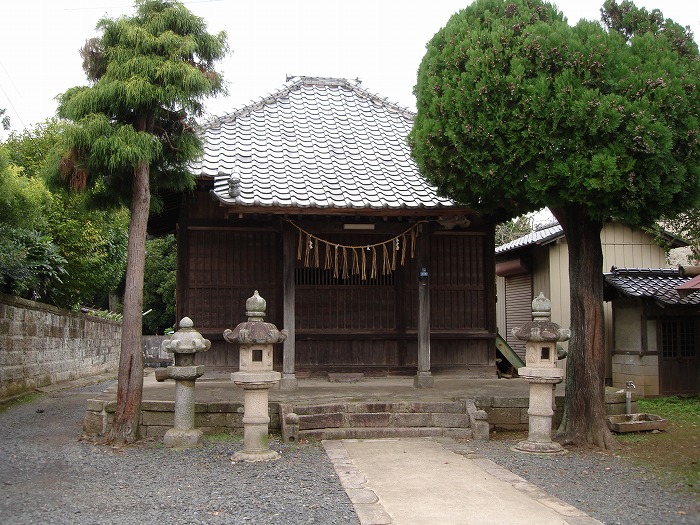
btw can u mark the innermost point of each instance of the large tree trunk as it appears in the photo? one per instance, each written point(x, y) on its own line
point(584, 421)
point(125, 428)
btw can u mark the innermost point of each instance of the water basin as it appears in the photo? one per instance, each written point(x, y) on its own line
point(635, 422)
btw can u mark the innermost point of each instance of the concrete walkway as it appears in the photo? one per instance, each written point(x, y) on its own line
point(422, 481)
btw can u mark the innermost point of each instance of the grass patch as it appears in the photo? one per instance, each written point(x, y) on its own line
point(222, 437)
point(674, 454)
point(24, 399)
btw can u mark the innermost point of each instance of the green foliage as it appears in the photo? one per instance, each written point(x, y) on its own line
point(222, 437)
point(91, 242)
point(517, 110)
point(687, 226)
point(30, 263)
point(671, 454)
point(513, 229)
point(678, 409)
point(132, 133)
point(103, 314)
point(159, 285)
point(149, 73)
point(94, 244)
point(28, 149)
point(630, 20)
point(22, 199)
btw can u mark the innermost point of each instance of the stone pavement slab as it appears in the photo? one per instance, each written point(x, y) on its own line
point(426, 481)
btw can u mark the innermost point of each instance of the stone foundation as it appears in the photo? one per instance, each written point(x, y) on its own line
point(511, 413)
point(157, 417)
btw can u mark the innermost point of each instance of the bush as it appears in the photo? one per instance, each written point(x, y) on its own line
point(22, 199)
point(159, 285)
point(94, 244)
point(30, 263)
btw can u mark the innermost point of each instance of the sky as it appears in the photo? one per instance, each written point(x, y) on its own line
point(381, 42)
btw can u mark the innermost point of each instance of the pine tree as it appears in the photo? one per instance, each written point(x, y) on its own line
point(517, 110)
point(133, 133)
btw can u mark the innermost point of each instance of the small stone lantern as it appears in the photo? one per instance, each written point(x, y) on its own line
point(541, 337)
point(185, 343)
point(255, 339)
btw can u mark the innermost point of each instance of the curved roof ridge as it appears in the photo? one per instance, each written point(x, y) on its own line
point(617, 270)
point(540, 236)
point(295, 82)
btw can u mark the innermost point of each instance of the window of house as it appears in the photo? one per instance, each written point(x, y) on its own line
point(679, 338)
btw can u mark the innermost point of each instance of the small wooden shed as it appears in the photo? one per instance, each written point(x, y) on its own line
point(311, 197)
point(656, 329)
point(539, 262)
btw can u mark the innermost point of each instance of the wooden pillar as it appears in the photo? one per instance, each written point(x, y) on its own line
point(182, 269)
point(289, 379)
point(424, 378)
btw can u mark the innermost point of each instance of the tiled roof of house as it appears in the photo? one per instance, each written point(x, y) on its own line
point(541, 236)
point(691, 286)
point(554, 231)
point(658, 284)
point(316, 143)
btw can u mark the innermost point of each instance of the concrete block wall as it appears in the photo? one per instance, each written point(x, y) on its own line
point(41, 345)
point(643, 370)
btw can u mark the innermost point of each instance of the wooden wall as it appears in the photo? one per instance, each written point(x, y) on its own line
point(341, 324)
point(622, 247)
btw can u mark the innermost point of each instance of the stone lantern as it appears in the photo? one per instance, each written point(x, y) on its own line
point(541, 337)
point(255, 339)
point(184, 344)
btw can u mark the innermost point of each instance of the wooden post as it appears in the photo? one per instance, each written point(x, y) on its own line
point(423, 378)
point(288, 380)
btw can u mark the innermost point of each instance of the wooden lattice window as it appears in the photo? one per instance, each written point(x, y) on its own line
point(679, 338)
point(323, 277)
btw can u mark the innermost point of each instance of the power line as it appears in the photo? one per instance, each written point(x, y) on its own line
point(12, 105)
point(9, 101)
point(93, 8)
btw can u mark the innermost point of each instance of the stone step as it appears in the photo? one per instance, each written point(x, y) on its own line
point(383, 419)
point(375, 419)
point(453, 407)
point(384, 432)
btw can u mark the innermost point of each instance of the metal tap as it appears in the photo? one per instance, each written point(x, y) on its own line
point(628, 396)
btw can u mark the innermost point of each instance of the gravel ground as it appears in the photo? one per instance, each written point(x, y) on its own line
point(48, 476)
point(601, 484)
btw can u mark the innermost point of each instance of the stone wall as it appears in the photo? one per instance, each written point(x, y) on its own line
point(41, 345)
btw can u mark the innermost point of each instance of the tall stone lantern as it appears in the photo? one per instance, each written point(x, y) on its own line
point(255, 339)
point(184, 344)
point(541, 337)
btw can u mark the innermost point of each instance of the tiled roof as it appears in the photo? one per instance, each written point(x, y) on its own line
point(658, 284)
point(542, 236)
point(316, 143)
point(691, 286)
point(554, 231)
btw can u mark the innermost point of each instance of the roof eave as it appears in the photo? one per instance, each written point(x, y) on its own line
point(233, 209)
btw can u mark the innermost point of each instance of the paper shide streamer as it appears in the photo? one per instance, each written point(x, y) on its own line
point(363, 260)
